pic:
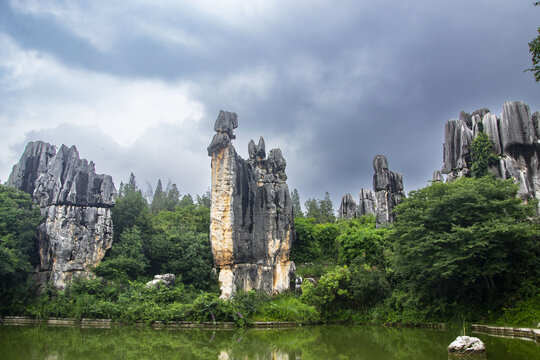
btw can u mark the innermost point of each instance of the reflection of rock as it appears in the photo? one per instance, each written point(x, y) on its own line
point(251, 228)
point(166, 279)
point(516, 138)
point(466, 345)
point(388, 192)
point(76, 203)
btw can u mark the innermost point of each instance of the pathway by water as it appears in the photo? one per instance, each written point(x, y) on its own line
point(315, 342)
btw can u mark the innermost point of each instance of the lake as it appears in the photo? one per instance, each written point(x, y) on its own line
point(312, 342)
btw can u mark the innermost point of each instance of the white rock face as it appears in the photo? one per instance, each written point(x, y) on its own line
point(466, 345)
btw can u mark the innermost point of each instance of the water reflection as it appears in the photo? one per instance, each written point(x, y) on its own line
point(319, 342)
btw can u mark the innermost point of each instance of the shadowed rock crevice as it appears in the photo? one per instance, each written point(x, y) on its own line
point(251, 217)
point(76, 203)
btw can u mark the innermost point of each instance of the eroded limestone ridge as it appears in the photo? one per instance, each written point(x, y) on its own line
point(76, 203)
point(251, 216)
point(516, 138)
point(387, 193)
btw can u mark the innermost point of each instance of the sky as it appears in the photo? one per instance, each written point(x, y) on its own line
point(137, 85)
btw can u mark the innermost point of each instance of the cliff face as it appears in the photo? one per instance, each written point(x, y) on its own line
point(387, 193)
point(76, 203)
point(251, 217)
point(516, 138)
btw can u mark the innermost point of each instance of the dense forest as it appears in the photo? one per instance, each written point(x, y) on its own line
point(461, 251)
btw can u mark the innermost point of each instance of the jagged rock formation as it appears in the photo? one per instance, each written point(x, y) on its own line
point(367, 204)
point(388, 187)
point(251, 216)
point(388, 192)
point(76, 203)
point(516, 138)
point(347, 209)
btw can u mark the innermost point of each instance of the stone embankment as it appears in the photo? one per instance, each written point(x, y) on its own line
point(515, 332)
point(108, 323)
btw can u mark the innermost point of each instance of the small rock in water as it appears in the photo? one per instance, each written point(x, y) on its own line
point(466, 345)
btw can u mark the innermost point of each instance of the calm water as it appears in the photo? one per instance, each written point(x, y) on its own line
point(318, 342)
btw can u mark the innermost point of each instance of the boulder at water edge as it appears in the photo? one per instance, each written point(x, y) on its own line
point(466, 346)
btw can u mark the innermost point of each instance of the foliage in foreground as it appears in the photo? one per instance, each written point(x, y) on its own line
point(133, 302)
point(466, 245)
point(19, 218)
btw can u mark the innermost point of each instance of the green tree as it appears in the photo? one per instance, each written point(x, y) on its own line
point(362, 240)
point(483, 155)
point(305, 248)
point(131, 209)
point(322, 210)
point(158, 200)
point(126, 260)
point(205, 199)
point(181, 245)
point(327, 209)
point(297, 208)
point(187, 200)
point(534, 49)
point(467, 244)
point(19, 218)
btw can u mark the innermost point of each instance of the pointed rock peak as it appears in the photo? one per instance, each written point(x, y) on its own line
point(276, 158)
point(224, 126)
point(226, 122)
point(261, 148)
point(481, 112)
point(252, 149)
point(380, 163)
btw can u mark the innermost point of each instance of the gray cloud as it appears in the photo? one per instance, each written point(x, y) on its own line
point(331, 85)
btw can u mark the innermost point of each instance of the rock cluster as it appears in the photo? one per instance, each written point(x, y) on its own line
point(466, 346)
point(251, 216)
point(76, 203)
point(516, 138)
point(387, 193)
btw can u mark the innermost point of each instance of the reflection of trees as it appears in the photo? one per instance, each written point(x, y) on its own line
point(318, 342)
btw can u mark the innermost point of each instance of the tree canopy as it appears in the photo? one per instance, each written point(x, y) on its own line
point(467, 243)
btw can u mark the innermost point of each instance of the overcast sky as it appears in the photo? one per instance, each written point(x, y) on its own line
point(136, 85)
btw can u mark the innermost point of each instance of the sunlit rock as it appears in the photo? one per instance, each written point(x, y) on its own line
point(251, 216)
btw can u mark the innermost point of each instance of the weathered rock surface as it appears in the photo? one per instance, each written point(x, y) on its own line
point(76, 203)
point(388, 192)
point(437, 176)
point(167, 280)
point(347, 209)
point(388, 187)
point(367, 203)
point(516, 138)
point(251, 216)
point(466, 346)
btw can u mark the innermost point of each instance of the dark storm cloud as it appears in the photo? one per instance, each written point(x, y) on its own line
point(333, 84)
